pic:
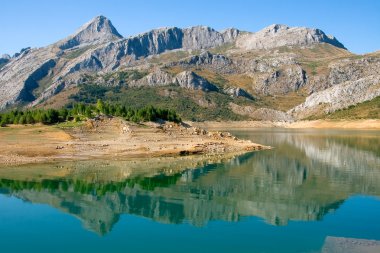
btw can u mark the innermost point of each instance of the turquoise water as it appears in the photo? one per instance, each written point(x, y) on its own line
point(314, 184)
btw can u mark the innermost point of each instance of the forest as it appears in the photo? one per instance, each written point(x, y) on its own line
point(81, 111)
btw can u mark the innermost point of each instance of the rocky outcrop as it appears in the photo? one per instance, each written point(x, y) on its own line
point(237, 92)
point(338, 97)
point(201, 37)
point(4, 59)
point(281, 35)
point(98, 30)
point(264, 114)
point(156, 78)
point(281, 81)
point(185, 79)
point(353, 69)
point(17, 76)
point(215, 62)
point(190, 80)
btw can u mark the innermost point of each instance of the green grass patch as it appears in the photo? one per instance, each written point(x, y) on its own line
point(366, 110)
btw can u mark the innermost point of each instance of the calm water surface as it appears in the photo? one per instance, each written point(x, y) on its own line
point(315, 184)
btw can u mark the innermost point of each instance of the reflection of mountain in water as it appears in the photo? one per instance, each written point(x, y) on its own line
point(304, 178)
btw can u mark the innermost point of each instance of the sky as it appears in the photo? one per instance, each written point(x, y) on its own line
point(41, 22)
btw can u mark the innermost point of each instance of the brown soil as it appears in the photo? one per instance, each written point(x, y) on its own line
point(112, 138)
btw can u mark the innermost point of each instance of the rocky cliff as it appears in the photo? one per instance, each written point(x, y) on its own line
point(282, 35)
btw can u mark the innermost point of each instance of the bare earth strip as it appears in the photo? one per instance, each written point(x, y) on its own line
point(113, 138)
point(367, 124)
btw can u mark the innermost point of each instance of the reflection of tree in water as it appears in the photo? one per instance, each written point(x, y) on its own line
point(288, 183)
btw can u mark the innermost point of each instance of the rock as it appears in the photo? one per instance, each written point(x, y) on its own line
point(281, 35)
point(200, 37)
point(5, 56)
point(22, 51)
point(338, 97)
point(4, 59)
point(185, 79)
point(267, 114)
point(352, 70)
point(98, 30)
point(264, 114)
point(215, 62)
point(190, 80)
point(156, 78)
point(21, 75)
point(237, 92)
point(282, 81)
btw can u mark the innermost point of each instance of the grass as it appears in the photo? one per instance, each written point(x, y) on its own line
point(169, 57)
point(366, 110)
point(222, 49)
point(193, 105)
point(69, 124)
point(283, 102)
point(76, 53)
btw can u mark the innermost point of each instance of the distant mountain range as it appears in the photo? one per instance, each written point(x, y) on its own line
point(278, 73)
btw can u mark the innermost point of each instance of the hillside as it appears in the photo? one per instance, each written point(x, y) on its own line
point(279, 73)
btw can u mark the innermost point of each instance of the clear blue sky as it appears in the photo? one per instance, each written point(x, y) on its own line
point(41, 22)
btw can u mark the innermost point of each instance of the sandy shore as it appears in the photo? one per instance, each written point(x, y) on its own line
point(113, 138)
point(369, 124)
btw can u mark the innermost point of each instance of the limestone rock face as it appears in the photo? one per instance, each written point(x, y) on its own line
point(21, 75)
point(351, 70)
point(156, 78)
point(5, 56)
point(281, 35)
point(265, 114)
point(215, 62)
point(237, 92)
point(4, 59)
point(201, 37)
point(98, 30)
point(185, 79)
point(339, 96)
point(282, 81)
point(190, 80)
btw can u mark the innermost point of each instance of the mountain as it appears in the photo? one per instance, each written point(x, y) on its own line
point(282, 35)
point(278, 73)
point(98, 30)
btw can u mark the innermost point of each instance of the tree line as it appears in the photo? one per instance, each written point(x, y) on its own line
point(82, 111)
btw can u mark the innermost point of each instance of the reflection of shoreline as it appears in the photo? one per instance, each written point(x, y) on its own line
point(283, 184)
point(298, 180)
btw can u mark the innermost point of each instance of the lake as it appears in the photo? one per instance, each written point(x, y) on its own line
point(313, 189)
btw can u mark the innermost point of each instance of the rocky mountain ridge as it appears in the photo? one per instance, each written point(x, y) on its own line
point(278, 61)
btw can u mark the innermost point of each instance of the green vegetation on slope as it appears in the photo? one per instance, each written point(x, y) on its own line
point(190, 104)
point(80, 111)
point(366, 110)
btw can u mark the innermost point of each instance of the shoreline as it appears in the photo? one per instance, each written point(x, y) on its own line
point(366, 124)
point(113, 138)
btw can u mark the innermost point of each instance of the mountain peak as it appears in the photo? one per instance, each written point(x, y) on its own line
point(97, 30)
point(274, 28)
point(278, 35)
